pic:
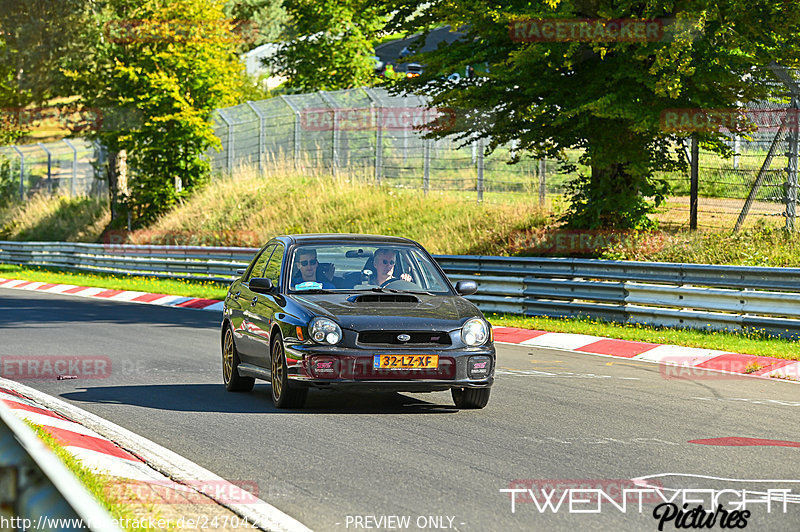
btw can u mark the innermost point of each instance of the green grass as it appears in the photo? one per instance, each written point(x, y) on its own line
point(54, 218)
point(202, 289)
point(761, 245)
point(236, 211)
point(96, 484)
point(750, 343)
point(258, 207)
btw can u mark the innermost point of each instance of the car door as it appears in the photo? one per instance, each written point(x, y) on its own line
point(247, 341)
point(264, 308)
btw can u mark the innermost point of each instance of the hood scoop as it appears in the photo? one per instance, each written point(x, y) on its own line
point(384, 298)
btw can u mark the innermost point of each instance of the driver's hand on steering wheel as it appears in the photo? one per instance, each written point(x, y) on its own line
point(406, 277)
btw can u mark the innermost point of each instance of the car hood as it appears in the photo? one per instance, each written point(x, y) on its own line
point(444, 313)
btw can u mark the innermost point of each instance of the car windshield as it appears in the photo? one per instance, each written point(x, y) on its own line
point(371, 267)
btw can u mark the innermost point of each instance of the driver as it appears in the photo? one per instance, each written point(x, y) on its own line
point(384, 261)
point(305, 267)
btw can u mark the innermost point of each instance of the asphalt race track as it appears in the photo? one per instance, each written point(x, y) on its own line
point(350, 461)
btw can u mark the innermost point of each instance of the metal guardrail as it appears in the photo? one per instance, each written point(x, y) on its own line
point(669, 294)
point(37, 492)
point(180, 262)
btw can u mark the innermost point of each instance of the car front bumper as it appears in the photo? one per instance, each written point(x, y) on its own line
point(353, 368)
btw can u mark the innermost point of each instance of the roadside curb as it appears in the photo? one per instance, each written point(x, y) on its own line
point(689, 360)
point(125, 296)
point(137, 463)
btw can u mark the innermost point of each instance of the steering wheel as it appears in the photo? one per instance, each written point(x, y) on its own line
point(390, 281)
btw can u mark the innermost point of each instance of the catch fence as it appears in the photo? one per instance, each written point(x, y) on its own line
point(375, 135)
point(371, 133)
point(67, 167)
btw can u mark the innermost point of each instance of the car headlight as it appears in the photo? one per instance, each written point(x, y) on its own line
point(325, 331)
point(475, 332)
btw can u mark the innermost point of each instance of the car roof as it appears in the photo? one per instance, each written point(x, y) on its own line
point(344, 237)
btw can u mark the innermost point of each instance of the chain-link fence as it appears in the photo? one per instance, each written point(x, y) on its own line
point(374, 134)
point(753, 185)
point(64, 167)
point(370, 132)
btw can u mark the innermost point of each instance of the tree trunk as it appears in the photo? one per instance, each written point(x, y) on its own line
point(117, 171)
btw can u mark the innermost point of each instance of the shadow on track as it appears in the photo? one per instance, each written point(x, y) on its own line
point(214, 398)
point(41, 310)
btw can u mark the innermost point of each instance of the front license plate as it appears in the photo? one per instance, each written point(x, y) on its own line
point(406, 361)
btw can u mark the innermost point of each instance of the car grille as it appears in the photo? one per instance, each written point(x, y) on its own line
point(417, 338)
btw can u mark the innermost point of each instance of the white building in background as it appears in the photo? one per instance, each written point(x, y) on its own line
point(255, 66)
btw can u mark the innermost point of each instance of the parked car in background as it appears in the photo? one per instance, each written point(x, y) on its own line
point(354, 312)
point(413, 70)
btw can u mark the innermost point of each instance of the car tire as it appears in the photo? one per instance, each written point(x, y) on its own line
point(230, 366)
point(283, 395)
point(470, 398)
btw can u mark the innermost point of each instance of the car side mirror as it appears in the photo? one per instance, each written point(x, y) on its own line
point(261, 285)
point(466, 288)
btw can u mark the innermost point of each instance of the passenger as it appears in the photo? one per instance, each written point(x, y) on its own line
point(384, 260)
point(306, 269)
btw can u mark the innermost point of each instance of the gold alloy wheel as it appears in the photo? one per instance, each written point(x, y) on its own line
point(277, 369)
point(227, 357)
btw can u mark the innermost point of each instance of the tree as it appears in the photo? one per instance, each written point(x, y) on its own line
point(34, 36)
point(9, 100)
point(157, 69)
point(599, 92)
point(328, 45)
point(261, 21)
